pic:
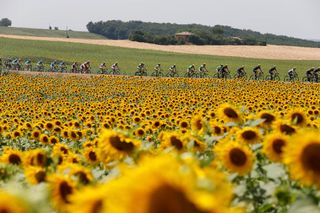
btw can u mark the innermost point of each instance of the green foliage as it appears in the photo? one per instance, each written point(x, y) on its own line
point(216, 35)
point(5, 22)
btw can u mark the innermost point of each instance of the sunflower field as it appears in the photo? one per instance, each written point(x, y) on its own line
point(91, 144)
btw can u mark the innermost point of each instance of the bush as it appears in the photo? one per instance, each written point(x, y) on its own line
point(5, 22)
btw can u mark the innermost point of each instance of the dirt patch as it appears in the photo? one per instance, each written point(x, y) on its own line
point(261, 52)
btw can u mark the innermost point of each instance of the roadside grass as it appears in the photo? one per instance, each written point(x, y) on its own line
point(128, 59)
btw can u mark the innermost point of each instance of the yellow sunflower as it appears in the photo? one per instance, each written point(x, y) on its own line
point(236, 157)
point(229, 113)
point(11, 156)
point(114, 145)
point(302, 156)
point(274, 145)
point(298, 117)
point(173, 139)
point(249, 135)
point(35, 175)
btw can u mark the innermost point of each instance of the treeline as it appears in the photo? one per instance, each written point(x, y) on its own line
point(164, 33)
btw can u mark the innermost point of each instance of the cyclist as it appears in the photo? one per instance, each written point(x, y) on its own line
point(203, 68)
point(273, 72)
point(53, 66)
point(219, 70)
point(115, 68)
point(85, 67)
point(173, 69)
point(224, 71)
point(316, 73)
point(16, 64)
point(28, 65)
point(74, 67)
point(103, 68)
point(40, 66)
point(292, 73)
point(141, 68)
point(241, 72)
point(62, 66)
point(256, 71)
point(191, 70)
point(309, 74)
point(157, 69)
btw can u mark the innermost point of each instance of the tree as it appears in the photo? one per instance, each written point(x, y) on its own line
point(5, 22)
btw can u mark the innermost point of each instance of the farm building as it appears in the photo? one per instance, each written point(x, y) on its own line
point(183, 36)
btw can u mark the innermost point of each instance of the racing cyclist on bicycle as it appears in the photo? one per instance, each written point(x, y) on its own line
point(40, 66)
point(203, 69)
point(115, 67)
point(309, 74)
point(273, 72)
point(157, 69)
point(224, 71)
point(74, 67)
point(256, 71)
point(191, 70)
point(103, 68)
point(292, 73)
point(316, 73)
point(241, 72)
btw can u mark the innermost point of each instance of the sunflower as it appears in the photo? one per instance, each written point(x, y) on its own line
point(89, 200)
point(249, 135)
point(12, 204)
point(198, 124)
point(173, 139)
point(90, 155)
point(236, 157)
point(11, 156)
point(35, 175)
point(44, 139)
point(302, 156)
point(228, 113)
point(274, 145)
point(298, 117)
point(284, 128)
point(114, 145)
point(61, 188)
point(140, 132)
point(36, 157)
point(36, 134)
point(53, 139)
point(268, 118)
point(168, 186)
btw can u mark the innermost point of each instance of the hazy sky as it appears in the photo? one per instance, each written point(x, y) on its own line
point(299, 18)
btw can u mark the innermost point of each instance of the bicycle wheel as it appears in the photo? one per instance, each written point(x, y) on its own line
point(305, 79)
point(154, 74)
point(216, 75)
point(268, 77)
point(286, 78)
point(276, 78)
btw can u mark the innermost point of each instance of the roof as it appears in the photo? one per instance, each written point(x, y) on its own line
point(184, 34)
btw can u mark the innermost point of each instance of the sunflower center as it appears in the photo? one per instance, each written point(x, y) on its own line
point(14, 159)
point(3, 210)
point(297, 117)
point(176, 142)
point(97, 206)
point(169, 199)
point(65, 190)
point(198, 124)
point(92, 156)
point(278, 145)
point(311, 157)
point(231, 113)
point(184, 124)
point(121, 146)
point(238, 157)
point(268, 118)
point(40, 176)
point(249, 135)
point(82, 177)
point(284, 128)
point(217, 130)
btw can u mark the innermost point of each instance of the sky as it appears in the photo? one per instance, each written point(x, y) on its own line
point(297, 18)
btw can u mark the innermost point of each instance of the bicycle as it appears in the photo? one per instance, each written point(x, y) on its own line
point(240, 76)
point(157, 73)
point(115, 71)
point(172, 74)
point(259, 76)
point(27, 67)
point(274, 77)
point(141, 73)
point(222, 75)
point(311, 79)
point(190, 74)
point(292, 78)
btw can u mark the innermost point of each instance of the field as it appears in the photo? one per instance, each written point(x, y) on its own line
point(126, 144)
point(47, 33)
point(129, 58)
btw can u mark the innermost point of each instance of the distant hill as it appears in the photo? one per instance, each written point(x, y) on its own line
point(163, 33)
point(48, 33)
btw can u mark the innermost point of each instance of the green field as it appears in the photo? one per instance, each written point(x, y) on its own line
point(129, 58)
point(48, 33)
